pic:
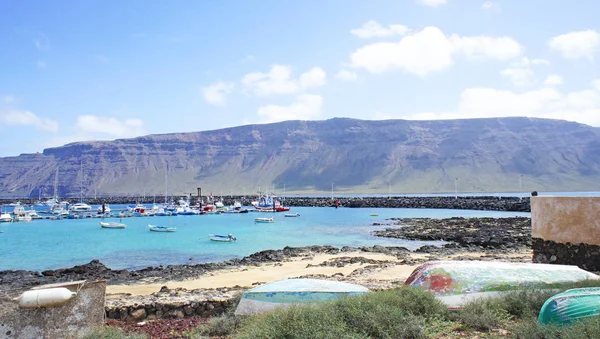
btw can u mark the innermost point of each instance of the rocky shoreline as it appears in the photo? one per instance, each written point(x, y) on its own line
point(468, 238)
point(490, 203)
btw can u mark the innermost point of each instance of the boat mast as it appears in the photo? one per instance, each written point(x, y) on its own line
point(166, 182)
point(56, 185)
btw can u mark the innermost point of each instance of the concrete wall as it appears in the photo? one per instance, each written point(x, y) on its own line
point(566, 230)
point(71, 320)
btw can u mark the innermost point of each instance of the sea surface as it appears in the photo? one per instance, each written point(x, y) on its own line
point(52, 244)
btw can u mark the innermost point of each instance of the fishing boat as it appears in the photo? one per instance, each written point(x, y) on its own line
point(458, 282)
point(112, 225)
point(570, 306)
point(222, 238)
point(269, 203)
point(5, 217)
point(284, 293)
point(292, 215)
point(157, 228)
point(264, 220)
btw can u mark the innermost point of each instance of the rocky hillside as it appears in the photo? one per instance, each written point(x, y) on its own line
point(308, 156)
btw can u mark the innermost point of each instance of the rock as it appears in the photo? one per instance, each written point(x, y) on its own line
point(139, 314)
point(176, 313)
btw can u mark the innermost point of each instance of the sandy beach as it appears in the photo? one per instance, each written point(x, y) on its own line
point(373, 270)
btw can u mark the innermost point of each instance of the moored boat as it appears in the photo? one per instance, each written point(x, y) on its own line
point(222, 238)
point(158, 228)
point(112, 225)
point(458, 282)
point(292, 215)
point(5, 217)
point(284, 293)
point(264, 220)
point(570, 306)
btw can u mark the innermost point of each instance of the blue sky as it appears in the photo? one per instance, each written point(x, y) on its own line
point(102, 70)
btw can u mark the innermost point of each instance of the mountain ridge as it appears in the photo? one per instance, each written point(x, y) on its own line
point(365, 156)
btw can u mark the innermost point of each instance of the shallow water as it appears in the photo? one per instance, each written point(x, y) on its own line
point(51, 244)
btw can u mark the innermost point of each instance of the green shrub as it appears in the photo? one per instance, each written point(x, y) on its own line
point(526, 303)
point(221, 326)
point(297, 321)
point(484, 314)
point(109, 332)
point(399, 313)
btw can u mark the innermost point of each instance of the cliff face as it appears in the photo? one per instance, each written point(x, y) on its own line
point(354, 155)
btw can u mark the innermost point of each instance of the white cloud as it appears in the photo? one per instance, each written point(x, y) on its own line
point(279, 80)
point(476, 47)
point(305, 107)
point(553, 80)
point(540, 62)
point(346, 75)
point(519, 76)
point(8, 99)
point(582, 106)
point(18, 117)
point(432, 3)
point(373, 29)
point(216, 93)
point(429, 50)
point(315, 77)
point(576, 45)
point(596, 84)
point(490, 6)
point(89, 124)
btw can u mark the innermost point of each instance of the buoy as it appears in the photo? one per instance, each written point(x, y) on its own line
point(45, 297)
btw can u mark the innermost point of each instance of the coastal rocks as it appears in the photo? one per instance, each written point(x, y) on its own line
point(173, 304)
point(490, 203)
point(585, 256)
point(484, 233)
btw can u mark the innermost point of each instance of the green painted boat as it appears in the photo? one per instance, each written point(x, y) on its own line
point(571, 305)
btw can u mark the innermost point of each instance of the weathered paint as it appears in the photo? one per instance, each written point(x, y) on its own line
point(283, 293)
point(456, 282)
point(566, 219)
point(74, 319)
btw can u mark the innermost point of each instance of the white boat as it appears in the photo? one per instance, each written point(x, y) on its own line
point(106, 209)
point(284, 293)
point(16, 203)
point(5, 217)
point(81, 207)
point(157, 228)
point(292, 215)
point(33, 214)
point(222, 238)
point(264, 220)
point(21, 214)
point(112, 225)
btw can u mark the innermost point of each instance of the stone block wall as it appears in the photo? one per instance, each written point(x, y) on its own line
point(566, 230)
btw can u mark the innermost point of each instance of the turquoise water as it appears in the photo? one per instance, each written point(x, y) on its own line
point(51, 244)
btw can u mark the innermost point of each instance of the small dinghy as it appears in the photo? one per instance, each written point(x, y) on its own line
point(570, 306)
point(222, 238)
point(112, 225)
point(264, 220)
point(157, 228)
point(284, 293)
point(292, 215)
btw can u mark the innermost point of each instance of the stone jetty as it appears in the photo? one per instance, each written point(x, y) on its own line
point(490, 203)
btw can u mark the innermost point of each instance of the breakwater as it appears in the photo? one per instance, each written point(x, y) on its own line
point(488, 203)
